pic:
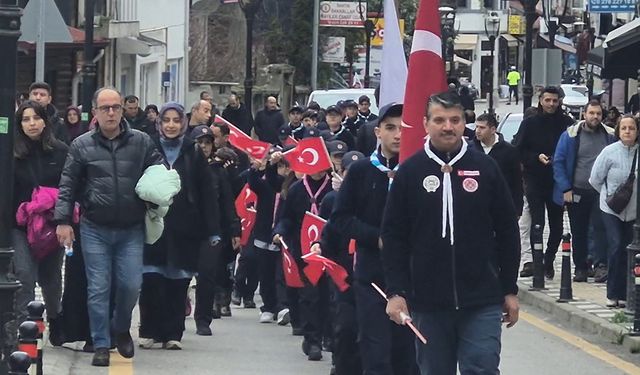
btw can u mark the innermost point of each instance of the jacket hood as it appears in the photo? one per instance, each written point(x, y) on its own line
point(573, 129)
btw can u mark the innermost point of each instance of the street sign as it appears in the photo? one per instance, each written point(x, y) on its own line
point(517, 25)
point(378, 39)
point(54, 30)
point(612, 6)
point(333, 50)
point(342, 13)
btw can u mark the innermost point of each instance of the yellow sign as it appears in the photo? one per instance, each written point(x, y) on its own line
point(377, 40)
point(517, 25)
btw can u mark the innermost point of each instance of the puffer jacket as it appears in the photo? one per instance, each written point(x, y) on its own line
point(102, 175)
point(611, 170)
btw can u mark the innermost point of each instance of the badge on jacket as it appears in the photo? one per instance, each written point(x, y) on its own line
point(470, 185)
point(431, 183)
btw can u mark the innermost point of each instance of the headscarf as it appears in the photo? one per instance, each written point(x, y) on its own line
point(178, 108)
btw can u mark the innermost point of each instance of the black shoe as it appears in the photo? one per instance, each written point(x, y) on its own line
point(124, 344)
point(315, 353)
point(549, 271)
point(216, 314)
point(591, 272)
point(56, 336)
point(580, 277)
point(225, 311)
point(203, 329)
point(249, 304)
point(527, 270)
point(101, 357)
point(235, 298)
point(297, 331)
point(88, 347)
point(600, 275)
point(306, 346)
point(327, 345)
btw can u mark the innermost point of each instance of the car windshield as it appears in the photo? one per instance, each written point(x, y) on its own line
point(577, 92)
point(510, 126)
point(326, 99)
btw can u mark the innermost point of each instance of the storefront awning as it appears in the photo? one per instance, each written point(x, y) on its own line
point(558, 42)
point(623, 36)
point(466, 42)
point(622, 64)
point(510, 39)
point(137, 46)
point(462, 61)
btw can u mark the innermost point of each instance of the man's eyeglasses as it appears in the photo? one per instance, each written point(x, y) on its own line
point(108, 108)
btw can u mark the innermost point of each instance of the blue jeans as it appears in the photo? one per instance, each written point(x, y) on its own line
point(468, 337)
point(112, 256)
point(619, 235)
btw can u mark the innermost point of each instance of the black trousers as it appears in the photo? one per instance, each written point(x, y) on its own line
point(539, 199)
point(211, 273)
point(346, 355)
point(267, 267)
point(247, 275)
point(75, 314)
point(386, 348)
point(513, 90)
point(162, 307)
point(581, 218)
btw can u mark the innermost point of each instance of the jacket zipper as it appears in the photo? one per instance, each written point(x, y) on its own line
point(115, 180)
point(453, 271)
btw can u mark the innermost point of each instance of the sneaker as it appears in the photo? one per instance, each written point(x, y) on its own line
point(187, 310)
point(249, 304)
point(56, 336)
point(225, 311)
point(622, 304)
point(266, 317)
point(88, 347)
point(549, 271)
point(580, 276)
point(101, 357)
point(124, 344)
point(145, 343)
point(527, 270)
point(612, 303)
point(327, 345)
point(284, 317)
point(315, 353)
point(235, 298)
point(203, 329)
point(173, 345)
point(601, 273)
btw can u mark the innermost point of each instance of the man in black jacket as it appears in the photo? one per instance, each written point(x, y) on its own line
point(134, 115)
point(385, 347)
point(40, 92)
point(493, 144)
point(101, 172)
point(536, 140)
point(238, 114)
point(450, 248)
point(338, 131)
point(268, 121)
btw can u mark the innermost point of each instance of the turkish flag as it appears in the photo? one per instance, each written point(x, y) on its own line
point(238, 138)
point(290, 269)
point(290, 141)
point(337, 273)
point(246, 198)
point(313, 272)
point(247, 221)
point(310, 231)
point(426, 76)
point(309, 156)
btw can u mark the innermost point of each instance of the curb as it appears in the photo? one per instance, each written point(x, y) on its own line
point(579, 319)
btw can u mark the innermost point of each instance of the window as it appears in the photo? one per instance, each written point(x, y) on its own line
point(461, 4)
point(222, 89)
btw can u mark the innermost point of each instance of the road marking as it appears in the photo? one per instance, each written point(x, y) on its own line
point(581, 344)
point(120, 365)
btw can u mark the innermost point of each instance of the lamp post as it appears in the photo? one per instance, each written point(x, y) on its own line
point(88, 66)
point(10, 15)
point(492, 29)
point(530, 16)
point(250, 8)
point(447, 23)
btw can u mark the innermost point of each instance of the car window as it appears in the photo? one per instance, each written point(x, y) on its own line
point(510, 127)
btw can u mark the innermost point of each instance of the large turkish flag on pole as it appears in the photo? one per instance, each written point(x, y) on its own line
point(426, 76)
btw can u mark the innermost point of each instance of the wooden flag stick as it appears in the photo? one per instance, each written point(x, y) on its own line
point(405, 318)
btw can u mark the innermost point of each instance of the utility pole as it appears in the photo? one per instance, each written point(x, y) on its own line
point(88, 66)
point(527, 88)
point(314, 46)
point(10, 15)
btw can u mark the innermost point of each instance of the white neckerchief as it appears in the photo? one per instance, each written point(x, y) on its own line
point(447, 193)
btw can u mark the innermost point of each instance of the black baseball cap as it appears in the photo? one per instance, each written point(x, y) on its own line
point(390, 110)
point(350, 158)
point(363, 99)
point(296, 108)
point(334, 109)
point(351, 104)
point(337, 147)
point(202, 131)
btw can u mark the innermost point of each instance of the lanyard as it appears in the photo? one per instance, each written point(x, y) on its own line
point(383, 168)
point(314, 197)
point(447, 193)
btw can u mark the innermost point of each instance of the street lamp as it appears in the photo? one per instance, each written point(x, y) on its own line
point(527, 88)
point(492, 29)
point(447, 23)
point(88, 66)
point(250, 8)
point(10, 15)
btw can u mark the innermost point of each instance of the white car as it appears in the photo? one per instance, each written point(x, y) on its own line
point(575, 98)
point(510, 125)
point(326, 98)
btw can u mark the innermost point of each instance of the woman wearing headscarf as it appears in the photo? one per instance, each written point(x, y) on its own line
point(192, 220)
point(75, 126)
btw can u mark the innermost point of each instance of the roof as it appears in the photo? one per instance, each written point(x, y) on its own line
point(77, 36)
point(623, 36)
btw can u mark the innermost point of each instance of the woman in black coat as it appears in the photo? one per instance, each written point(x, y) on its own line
point(193, 219)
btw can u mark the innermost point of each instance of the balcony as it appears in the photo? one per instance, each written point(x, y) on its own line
point(112, 29)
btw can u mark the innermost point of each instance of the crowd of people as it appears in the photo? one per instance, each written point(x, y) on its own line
point(144, 201)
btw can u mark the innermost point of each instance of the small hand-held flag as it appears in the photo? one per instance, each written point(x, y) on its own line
point(245, 204)
point(290, 268)
point(406, 318)
point(310, 231)
point(309, 156)
point(426, 76)
point(238, 138)
point(337, 273)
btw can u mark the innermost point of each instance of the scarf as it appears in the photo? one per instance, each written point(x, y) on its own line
point(314, 196)
point(383, 168)
point(447, 192)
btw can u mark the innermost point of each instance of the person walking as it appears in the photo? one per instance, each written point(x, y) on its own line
point(513, 79)
point(268, 121)
point(612, 169)
point(200, 115)
point(75, 126)
point(39, 158)
point(40, 92)
point(101, 172)
point(450, 248)
point(238, 114)
point(134, 115)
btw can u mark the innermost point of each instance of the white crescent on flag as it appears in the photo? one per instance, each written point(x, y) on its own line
point(313, 229)
point(313, 153)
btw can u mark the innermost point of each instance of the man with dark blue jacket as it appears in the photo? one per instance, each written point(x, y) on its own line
point(450, 248)
point(577, 150)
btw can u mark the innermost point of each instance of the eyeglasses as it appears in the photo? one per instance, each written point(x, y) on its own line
point(108, 108)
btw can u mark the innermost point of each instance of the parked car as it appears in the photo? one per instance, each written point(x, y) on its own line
point(575, 98)
point(510, 125)
point(326, 98)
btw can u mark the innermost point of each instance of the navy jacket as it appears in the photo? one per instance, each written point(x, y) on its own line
point(266, 189)
point(334, 244)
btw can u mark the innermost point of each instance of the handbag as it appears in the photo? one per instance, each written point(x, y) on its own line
point(619, 200)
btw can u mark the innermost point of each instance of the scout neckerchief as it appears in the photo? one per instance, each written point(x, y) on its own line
point(314, 197)
point(296, 129)
point(447, 193)
point(383, 168)
point(342, 128)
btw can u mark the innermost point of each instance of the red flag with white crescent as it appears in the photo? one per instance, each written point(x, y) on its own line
point(426, 76)
point(337, 273)
point(247, 221)
point(238, 138)
point(245, 199)
point(290, 269)
point(309, 156)
point(310, 231)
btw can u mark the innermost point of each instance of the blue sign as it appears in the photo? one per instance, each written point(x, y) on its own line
point(612, 6)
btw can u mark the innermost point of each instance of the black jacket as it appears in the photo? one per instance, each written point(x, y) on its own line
point(367, 139)
point(266, 189)
point(38, 168)
point(57, 123)
point(297, 133)
point(353, 125)
point(241, 117)
point(229, 220)
point(508, 159)
point(539, 134)
point(267, 125)
point(482, 266)
point(102, 175)
point(137, 121)
point(147, 126)
point(334, 244)
point(345, 136)
point(194, 214)
point(358, 214)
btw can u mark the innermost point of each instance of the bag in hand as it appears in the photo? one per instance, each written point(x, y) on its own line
point(619, 200)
